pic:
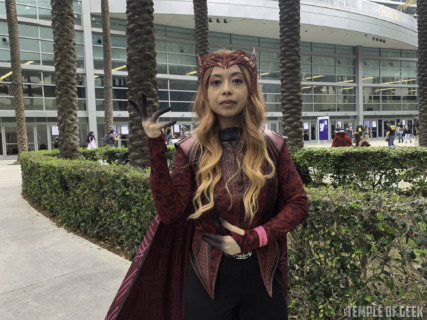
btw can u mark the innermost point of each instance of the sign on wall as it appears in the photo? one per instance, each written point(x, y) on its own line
point(323, 125)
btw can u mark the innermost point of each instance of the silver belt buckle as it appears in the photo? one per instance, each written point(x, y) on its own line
point(242, 256)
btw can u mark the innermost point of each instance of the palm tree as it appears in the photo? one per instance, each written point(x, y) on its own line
point(422, 71)
point(290, 71)
point(201, 26)
point(108, 79)
point(15, 58)
point(142, 71)
point(65, 74)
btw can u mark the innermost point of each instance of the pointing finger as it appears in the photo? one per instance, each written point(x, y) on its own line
point(137, 108)
point(158, 113)
point(168, 124)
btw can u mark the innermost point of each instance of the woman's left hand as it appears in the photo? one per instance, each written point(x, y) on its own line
point(225, 243)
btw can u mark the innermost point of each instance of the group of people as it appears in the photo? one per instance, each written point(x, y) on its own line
point(402, 131)
point(342, 139)
point(360, 138)
point(169, 138)
point(110, 139)
point(362, 131)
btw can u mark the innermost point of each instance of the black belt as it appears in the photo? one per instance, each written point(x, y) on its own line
point(239, 256)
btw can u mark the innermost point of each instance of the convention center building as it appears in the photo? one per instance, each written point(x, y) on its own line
point(358, 63)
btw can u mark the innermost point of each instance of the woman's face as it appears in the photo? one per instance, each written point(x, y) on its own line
point(227, 93)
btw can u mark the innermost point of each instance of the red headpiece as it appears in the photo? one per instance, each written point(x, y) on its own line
point(225, 61)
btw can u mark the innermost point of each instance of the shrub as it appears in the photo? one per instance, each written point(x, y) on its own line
point(380, 168)
point(109, 203)
point(110, 155)
point(357, 249)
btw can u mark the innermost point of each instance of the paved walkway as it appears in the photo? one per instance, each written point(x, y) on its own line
point(47, 273)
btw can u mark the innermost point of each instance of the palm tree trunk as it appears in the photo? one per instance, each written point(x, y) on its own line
point(15, 58)
point(142, 71)
point(290, 71)
point(422, 71)
point(201, 26)
point(65, 74)
point(108, 79)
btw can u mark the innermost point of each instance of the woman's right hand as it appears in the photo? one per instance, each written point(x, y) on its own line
point(152, 128)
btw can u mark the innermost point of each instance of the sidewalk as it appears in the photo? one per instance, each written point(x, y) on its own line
point(47, 273)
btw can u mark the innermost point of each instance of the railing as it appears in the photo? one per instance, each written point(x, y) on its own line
point(367, 8)
point(359, 6)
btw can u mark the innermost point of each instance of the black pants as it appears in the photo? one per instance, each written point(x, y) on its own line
point(240, 294)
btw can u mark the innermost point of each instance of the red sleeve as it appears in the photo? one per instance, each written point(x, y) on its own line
point(171, 191)
point(291, 202)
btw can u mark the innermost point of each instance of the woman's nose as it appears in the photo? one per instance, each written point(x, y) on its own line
point(226, 88)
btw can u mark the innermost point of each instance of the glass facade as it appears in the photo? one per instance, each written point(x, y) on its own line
point(343, 82)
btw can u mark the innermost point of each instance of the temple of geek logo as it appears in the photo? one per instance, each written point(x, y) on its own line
point(380, 311)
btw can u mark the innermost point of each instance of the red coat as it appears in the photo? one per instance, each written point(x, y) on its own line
point(282, 202)
point(342, 140)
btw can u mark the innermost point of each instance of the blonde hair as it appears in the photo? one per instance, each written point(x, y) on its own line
point(252, 141)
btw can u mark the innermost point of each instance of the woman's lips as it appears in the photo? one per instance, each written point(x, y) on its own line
point(228, 103)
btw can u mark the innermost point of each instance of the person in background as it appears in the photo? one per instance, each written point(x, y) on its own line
point(367, 133)
point(359, 141)
point(399, 130)
point(359, 129)
point(407, 133)
point(341, 140)
point(350, 130)
point(112, 138)
point(91, 141)
point(391, 134)
point(185, 132)
point(56, 143)
point(169, 136)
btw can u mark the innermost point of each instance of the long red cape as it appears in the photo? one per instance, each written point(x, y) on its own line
point(154, 285)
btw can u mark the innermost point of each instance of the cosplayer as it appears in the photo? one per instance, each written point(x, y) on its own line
point(341, 140)
point(217, 246)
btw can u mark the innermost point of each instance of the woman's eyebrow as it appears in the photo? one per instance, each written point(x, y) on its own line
point(232, 75)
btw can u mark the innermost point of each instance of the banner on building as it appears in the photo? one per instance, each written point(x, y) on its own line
point(323, 126)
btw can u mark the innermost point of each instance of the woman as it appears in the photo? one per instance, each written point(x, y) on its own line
point(367, 134)
point(224, 211)
point(359, 141)
point(399, 130)
point(407, 133)
point(91, 141)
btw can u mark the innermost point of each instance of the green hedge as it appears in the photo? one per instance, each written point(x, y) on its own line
point(108, 202)
point(379, 168)
point(357, 247)
point(110, 155)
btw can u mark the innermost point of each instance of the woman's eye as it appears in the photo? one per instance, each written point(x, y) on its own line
point(237, 81)
point(215, 82)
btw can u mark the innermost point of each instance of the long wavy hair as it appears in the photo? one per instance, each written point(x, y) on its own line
point(252, 123)
point(357, 139)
